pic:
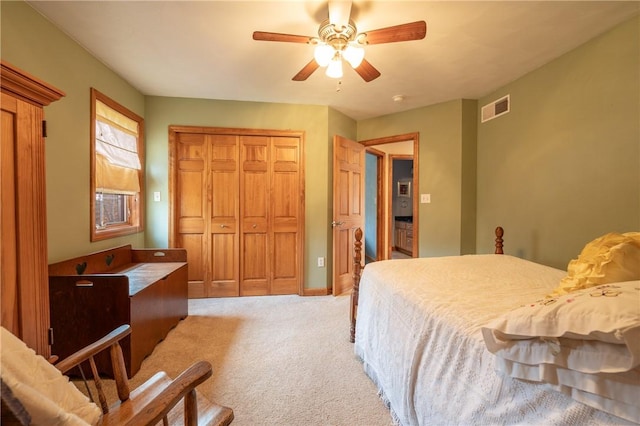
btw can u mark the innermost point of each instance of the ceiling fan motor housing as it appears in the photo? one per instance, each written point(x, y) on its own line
point(338, 38)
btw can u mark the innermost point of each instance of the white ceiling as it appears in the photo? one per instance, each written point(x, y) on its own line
point(204, 49)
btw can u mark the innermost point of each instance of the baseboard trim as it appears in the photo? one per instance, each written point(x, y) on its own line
point(315, 292)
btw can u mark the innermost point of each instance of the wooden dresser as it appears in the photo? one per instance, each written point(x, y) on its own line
point(23, 216)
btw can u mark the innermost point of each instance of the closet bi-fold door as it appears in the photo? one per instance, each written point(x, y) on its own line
point(270, 211)
point(223, 216)
point(206, 199)
point(238, 209)
point(287, 214)
point(254, 210)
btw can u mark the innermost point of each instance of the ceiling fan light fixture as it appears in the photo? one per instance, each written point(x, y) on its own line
point(334, 69)
point(323, 54)
point(354, 54)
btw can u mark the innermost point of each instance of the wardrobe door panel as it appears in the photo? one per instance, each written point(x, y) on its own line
point(286, 214)
point(223, 223)
point(255, 280)
point(8, 221)
point(224, 266)
point(24, 283)
point(192, 207)
point(254, 208)
point(286, 262)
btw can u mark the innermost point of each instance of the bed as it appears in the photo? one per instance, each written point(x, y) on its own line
point(495, 339)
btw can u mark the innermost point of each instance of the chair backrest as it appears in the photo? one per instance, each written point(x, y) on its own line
point(87, 355)
point(27, 403)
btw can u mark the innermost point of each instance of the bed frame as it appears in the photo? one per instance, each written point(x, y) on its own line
point(357, 271)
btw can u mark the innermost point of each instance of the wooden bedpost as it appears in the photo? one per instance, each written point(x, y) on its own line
point(357, 269)
point(499, 234)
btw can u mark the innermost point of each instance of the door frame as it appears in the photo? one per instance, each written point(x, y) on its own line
point(415, 137)
point(381, 160)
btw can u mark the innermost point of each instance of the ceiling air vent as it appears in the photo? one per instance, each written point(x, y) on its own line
point(496, 108)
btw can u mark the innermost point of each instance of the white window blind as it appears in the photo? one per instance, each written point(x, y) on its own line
point(117, 159)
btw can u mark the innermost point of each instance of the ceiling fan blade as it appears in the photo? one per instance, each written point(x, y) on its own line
point(339, 13)
point(306, 71)
point(290, 38)
point(367, 71)
point(405, 32)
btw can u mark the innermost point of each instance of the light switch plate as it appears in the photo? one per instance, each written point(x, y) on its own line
point(156, 196)
point(425, 198)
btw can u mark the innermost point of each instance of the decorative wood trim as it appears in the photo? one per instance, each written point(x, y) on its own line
point(499, 241)
point(235, 131)
point(315, 291)
point(27, 87)
point(135, 224)
point(391, 139)
point(415, 137)
point(355, 292)
point(381, 164)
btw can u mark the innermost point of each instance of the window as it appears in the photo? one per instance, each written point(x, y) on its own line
point(117, 177)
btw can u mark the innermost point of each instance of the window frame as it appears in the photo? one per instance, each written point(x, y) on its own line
point(135, 222)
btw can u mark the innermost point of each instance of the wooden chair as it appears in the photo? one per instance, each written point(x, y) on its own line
point(154, 401)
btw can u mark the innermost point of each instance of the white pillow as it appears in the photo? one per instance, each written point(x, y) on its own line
point(47, 395)
point(591, 330)
point(617, 394)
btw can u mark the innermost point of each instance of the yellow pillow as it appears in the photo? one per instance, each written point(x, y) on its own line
point(611, 258)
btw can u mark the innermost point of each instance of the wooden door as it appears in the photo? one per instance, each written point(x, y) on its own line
point(237, 206)
point(286, 215)
point(192, 207)
point(348, 208)
point(254, 225)
point(223, 192)
point(207, 203)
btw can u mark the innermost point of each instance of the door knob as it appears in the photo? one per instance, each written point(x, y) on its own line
point(334, 223)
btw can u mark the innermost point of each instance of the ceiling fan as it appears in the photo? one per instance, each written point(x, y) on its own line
point(338, 39)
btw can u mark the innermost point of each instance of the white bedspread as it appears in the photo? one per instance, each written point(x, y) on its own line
point(435, 369)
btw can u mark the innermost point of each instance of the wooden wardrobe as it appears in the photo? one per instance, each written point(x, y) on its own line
point(23, 218)
point(237, 207)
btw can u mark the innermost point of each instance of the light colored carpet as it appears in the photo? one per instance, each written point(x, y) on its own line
point(277, 360)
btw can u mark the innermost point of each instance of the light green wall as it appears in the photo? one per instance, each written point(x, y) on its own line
point(560, 169)
point(31, 43)
point(563, 167)
point(469, 176)
point(161, 112)
point(444, 140)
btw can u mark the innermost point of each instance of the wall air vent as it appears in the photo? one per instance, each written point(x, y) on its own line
point(496, 108)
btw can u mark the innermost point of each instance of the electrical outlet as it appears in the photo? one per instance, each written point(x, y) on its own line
point(321, 262)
